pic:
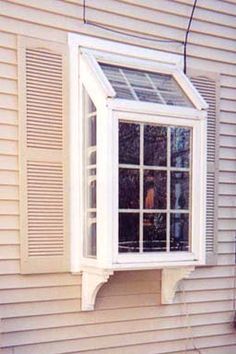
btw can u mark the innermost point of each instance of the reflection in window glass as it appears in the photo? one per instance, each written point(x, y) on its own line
point(92, 139)
point(92, 193)
point(180, 147)
point(145, 85)
point(92, 157)
point(129, 143)
point(154, 187)
point(90, 160)
point(179, 190)
point(128, 188)
point(147, 96)
point(155, 145)
point(155, 183)
point(179, 232)
point(92, 233)
point(154, 232)
point(128, 232)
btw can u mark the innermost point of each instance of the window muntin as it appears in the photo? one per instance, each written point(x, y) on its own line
point(90, 171)
point(154, 188)
point(139, 85)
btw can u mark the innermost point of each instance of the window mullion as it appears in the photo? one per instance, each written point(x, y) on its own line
point(141, 188)
point(129, 85)
point(155, 89)
point(168, 190)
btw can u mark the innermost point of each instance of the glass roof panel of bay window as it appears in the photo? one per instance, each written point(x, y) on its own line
point(145, 86)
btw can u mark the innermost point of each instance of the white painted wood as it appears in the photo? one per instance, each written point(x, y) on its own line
point(92, 280)
point(170, 280)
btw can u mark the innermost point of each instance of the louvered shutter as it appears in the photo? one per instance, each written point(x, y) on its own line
point(43, 157)
point(207, 86)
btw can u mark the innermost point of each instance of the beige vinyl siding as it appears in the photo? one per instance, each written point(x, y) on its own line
point(41, 313)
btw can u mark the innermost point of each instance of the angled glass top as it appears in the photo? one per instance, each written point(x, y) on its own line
point(146, 86)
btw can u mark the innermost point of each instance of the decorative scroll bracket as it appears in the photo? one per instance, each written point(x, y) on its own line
point(92, 281)
point(170, 279)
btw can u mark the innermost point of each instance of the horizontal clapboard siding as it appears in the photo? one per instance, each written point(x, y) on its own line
point(42, 313)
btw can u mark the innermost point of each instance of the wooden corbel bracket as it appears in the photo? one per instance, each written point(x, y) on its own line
point(170, 280)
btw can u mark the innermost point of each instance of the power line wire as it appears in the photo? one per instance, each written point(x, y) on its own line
point(149, 38)
point(107, 28)
point(186, 36)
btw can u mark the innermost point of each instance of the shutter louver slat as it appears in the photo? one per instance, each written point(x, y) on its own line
point(207, 88)
point(38, 220)
point(44, 241)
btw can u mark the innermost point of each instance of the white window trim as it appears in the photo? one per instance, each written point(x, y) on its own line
point(198, 189)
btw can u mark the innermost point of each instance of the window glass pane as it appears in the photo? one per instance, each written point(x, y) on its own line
point(128, 232)
point(128, 188)
point(179, 190)
point(92, 193)
point(155, 145)
point(137, 79)
point(92, 231)
point(148, 86)
point(91, 131)
point(179, 232)
point(180, 147)
point(92, 172)
point(124, 92)
point(147, 95)
point(155, 184)
point(90, 160)
point(162, 82)
point(90, 107)
point(154, 232)
point(149, 181)
point(169, 90)
point(129, 143)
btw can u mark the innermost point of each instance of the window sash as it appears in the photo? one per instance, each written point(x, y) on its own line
point(141, 168)
point(198, 191)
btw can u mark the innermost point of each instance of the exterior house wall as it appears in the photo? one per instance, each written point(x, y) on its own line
point(40, 314)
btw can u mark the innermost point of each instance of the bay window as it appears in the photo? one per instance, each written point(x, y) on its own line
point(142, 153)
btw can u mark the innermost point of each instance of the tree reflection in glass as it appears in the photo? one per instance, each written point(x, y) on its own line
point(128, 232)
point(155, 185)
point(129, 143)
point(180, 147)
point(155, 145)
point(154, 232)
point(179, 232)
point(179, 190)
point(128, 188)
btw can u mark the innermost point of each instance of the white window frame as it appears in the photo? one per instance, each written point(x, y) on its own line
point(198, 127)
point(112, 109)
